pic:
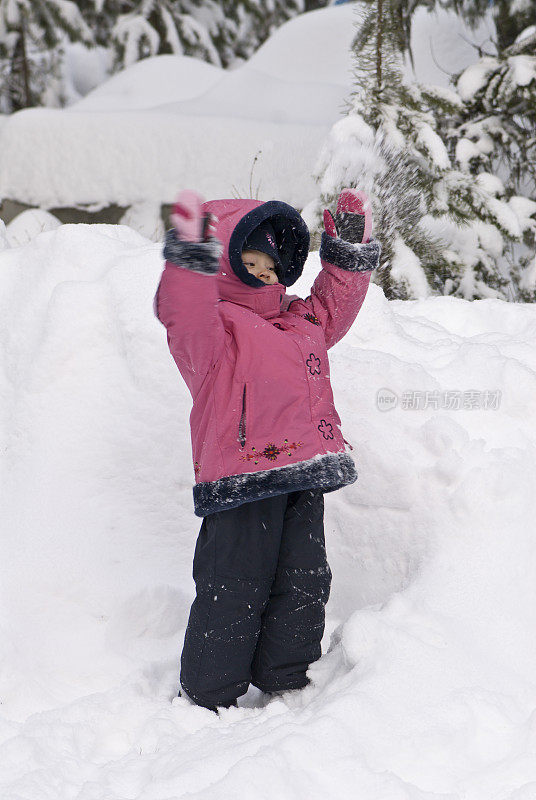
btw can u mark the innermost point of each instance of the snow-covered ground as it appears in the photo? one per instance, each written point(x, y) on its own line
point(172, 121)
point(427, 688)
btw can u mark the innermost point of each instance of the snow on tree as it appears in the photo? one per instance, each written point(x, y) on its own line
point(497, 136)
point(31, 35)
point(155, 27)
point(218, 32)
point(256, 20)
point(101, 16)
point(390, 146)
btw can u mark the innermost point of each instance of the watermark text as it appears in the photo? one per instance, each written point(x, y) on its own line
point(448, 400)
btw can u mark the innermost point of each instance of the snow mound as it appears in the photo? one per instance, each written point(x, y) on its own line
point(151, 82)
point(428, 689)
point(310, 48)
point(29, 224)
point(245, 93)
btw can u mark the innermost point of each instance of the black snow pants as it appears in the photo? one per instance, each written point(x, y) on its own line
point(262, 582)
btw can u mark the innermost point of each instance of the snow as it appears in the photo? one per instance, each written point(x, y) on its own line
point(432, 144)
point(145, 218)
point(28, 224)
point(505, 216)
point(149, 157)
point(528, 277)
point(428, 690)
point(185, 123)
point(151, 82)
point(528, 32)
point(524, 209)
point(406, 269)
point(348, 150)
point(489, 238)
point(245, 93)
point(490, 183)
point(3, 235)
point(310, 48)
point(474, 77)
point(129, 30)
point(83, 68)
point(522, 69)
point(520, 6)
point(467, 149)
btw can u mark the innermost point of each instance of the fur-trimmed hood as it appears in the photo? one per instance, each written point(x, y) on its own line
point(237, 219)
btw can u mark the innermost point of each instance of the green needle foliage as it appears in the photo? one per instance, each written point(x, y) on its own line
point(31, 33)
point(442, 231)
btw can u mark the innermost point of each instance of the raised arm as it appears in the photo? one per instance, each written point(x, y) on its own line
point(186, 302)
point(347, 264)
point(341, 285)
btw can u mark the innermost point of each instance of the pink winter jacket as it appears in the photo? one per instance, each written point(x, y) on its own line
point(255, 360)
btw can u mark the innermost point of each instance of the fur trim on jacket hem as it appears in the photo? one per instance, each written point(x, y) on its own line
point(328, 472)
point(352, 257)
point(202, 257)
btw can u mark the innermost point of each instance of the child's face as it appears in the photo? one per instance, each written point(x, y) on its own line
point(260, 265)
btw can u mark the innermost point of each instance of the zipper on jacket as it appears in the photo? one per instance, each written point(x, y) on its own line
point(242, 424)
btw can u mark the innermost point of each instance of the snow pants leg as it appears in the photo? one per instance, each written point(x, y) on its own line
point(262, 583)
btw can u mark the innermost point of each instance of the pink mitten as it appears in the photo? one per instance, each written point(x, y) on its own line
point(191, 223)
point(353, 218)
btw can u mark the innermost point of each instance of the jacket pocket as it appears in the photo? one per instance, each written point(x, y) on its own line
point(242, 423)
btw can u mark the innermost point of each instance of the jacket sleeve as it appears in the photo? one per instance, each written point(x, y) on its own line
point(186, 303)
point(341, 285)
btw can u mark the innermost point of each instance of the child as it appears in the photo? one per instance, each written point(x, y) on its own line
point(266, 436)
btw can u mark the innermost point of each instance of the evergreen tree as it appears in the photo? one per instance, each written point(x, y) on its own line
point(255, 20)
point(218, 32)
point(101, 16)
point(497, 135)
point(390, 146)
point(31, 33)
point(155, 27)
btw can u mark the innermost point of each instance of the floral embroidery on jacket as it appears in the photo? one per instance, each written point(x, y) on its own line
point(326, 429)
point(271, 451)
point(197, 468)
point(314, 364)
point(311, 318)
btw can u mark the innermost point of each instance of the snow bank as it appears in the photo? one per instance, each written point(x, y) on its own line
point(172, 121)
point(126, 158)
point(151, 82)
point(428, 690)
